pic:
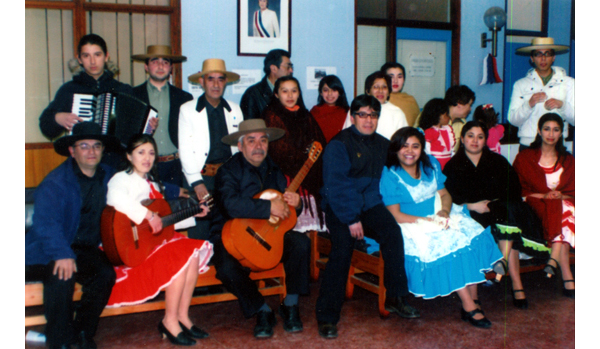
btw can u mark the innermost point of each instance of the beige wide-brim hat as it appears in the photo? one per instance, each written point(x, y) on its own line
point(213, 65)
point(543, 44)
point(159, 51)
point(251, 126)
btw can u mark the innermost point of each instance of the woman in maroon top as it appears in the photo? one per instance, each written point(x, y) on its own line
point(332, 106)
point(287, 111)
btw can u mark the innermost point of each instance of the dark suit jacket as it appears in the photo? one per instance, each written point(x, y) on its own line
point(255, 99)
point(176, 98)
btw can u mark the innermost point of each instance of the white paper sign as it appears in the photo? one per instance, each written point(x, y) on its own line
point(315, 74)
point(248, 77)
point(422, 66)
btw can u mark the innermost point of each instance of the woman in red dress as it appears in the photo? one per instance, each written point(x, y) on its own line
point(547, 174)
point(173, 266)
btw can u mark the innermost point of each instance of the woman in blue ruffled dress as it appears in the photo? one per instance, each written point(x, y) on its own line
point(445, 249)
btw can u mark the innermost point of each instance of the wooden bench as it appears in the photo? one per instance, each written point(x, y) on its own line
point(270, 282)
point(366, 271)
point(40, 159)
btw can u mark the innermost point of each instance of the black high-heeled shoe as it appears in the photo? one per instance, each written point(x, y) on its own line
point(500, 268)
point(469, 316)
point(549, 269)
point(194, 332)
point(520, 303)
point(181, 339)
point(569, 293)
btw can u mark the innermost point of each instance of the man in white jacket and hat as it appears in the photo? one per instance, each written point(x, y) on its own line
point(544, 89)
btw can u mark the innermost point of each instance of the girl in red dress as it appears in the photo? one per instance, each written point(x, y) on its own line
point(173, 266)
point(438, 134)
point(332, 106)
point(547, 174)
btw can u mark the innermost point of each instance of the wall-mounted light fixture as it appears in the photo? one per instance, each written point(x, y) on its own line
point(495, 19)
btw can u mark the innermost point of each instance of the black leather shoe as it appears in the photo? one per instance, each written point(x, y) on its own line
point(468, 316)
point(327, 330)
point(520, 303)
point(193, 332)
point(398, 306)
point(265, 320)
point(85, 342)
point(569, 293)
point(291, 318)
point(180, 339)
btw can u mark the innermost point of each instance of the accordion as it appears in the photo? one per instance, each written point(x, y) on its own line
point(116, 113)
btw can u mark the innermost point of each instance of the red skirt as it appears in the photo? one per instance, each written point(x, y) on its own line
point(144, 282)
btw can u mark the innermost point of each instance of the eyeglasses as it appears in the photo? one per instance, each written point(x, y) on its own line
point(86, 147)
point(546, 54)
point(289, 65)
point(373, 115)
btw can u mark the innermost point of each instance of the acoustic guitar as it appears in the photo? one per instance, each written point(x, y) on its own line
point(258, 243)
point(126, 243)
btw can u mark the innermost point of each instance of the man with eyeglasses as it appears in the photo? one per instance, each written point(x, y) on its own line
point(63, 243)
point(276, 64)
point(166, 99)
point(352, 164)
point(544, 89)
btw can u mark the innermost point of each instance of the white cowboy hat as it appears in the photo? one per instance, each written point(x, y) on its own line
point(213, 65)
point(543, 44)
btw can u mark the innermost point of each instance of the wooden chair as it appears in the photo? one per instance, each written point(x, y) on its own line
point(362, 267)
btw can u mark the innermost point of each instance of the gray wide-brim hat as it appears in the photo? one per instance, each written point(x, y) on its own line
point(543, 44)
point(86, 130)
point(251, 126)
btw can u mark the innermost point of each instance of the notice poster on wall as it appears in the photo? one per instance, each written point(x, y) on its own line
point(315, 74)
point(248, 77)
point(423, 66)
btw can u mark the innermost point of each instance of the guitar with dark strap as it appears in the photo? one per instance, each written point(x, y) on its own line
point(258, 243)
point(126, 243)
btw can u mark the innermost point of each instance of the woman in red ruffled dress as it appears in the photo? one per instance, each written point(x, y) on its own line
point(173, 266)
point(547, 174)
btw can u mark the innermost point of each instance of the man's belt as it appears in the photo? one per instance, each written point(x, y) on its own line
point(210, 170)
point(170, 157)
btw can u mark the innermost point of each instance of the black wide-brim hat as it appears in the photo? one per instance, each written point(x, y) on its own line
point(86, 130)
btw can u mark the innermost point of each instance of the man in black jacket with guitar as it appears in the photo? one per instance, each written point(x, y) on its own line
point(244, 175)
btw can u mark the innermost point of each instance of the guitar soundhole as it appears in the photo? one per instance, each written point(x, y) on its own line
point(258, 238)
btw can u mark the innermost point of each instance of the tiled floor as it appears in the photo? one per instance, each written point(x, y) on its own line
point(548, 323)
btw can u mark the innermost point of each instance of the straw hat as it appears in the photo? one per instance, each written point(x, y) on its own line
point(251, 126)
point(543, 44)
point(86, 130)
point(159, 51)
point(213, 65)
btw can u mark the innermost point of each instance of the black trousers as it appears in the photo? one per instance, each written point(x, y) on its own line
point(97, 276)
point(379, 224)
point(236, 278)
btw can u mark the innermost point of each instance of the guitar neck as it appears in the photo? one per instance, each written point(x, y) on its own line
point(295, 184)
point(180, 215)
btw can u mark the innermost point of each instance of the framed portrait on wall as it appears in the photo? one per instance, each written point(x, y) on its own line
point(263, 25)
